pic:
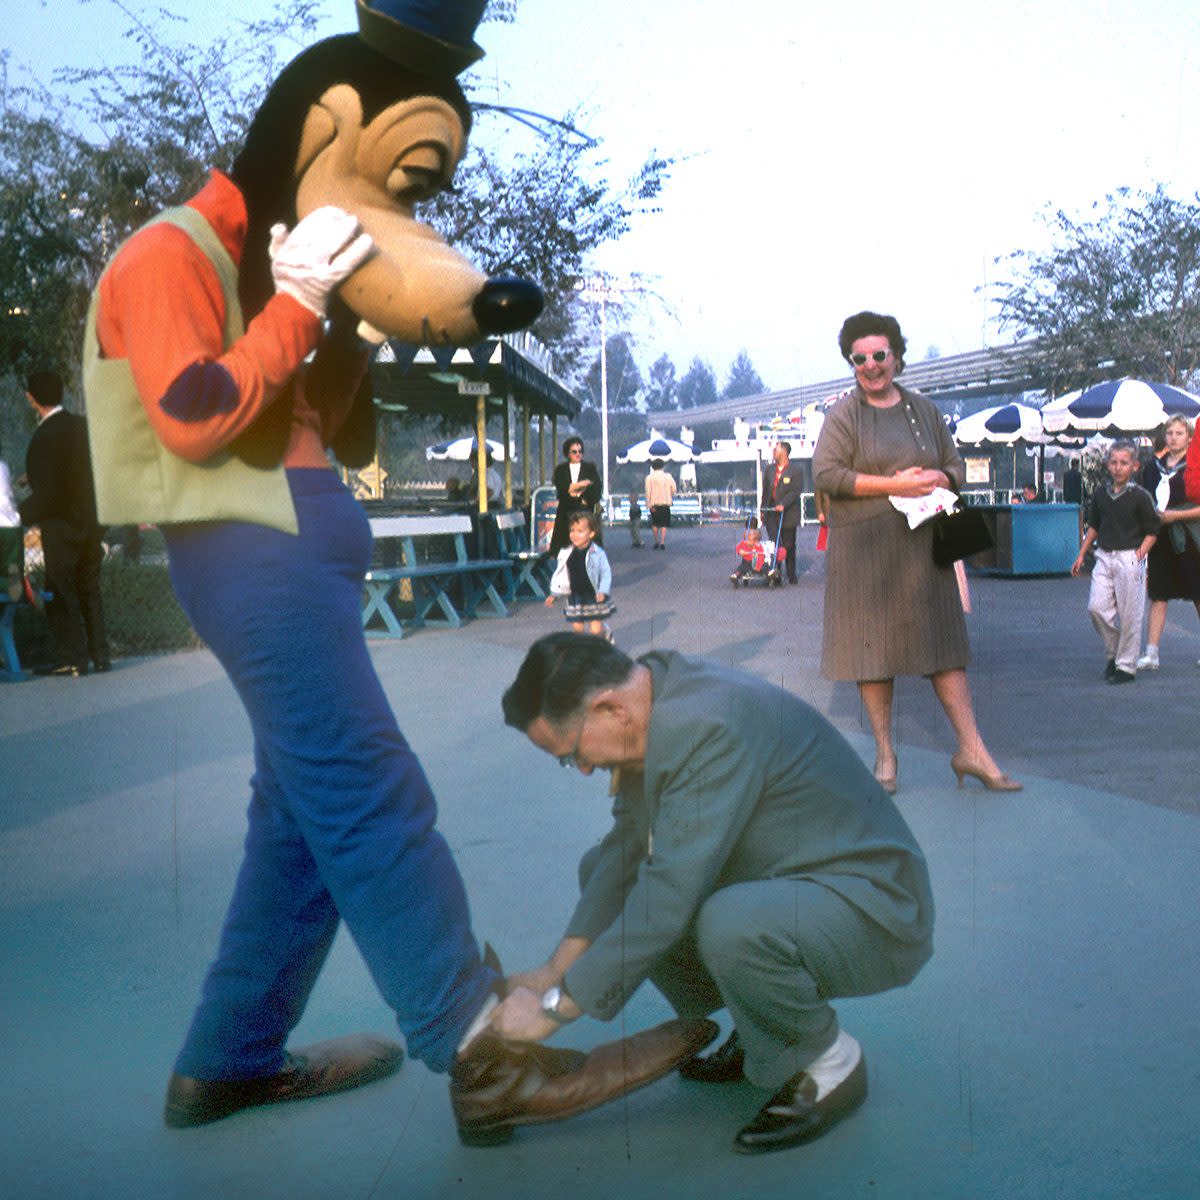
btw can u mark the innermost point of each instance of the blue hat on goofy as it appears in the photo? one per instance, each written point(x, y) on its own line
point(432, 37)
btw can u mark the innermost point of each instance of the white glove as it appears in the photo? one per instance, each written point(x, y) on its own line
point(308, 263)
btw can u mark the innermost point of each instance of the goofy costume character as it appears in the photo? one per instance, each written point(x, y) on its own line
point(224, 355)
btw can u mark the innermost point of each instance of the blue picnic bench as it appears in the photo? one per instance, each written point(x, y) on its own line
point(529, 566)
point(426, 556)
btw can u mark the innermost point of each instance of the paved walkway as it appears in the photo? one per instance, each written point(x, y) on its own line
point(1048, 1050)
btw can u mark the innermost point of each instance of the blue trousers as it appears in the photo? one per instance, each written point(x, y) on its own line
point(341, 818)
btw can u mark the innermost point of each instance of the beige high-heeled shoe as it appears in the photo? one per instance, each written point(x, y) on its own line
point(994, 783)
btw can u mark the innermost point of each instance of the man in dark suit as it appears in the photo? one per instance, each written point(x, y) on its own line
point(62, 503)
point(781, 504)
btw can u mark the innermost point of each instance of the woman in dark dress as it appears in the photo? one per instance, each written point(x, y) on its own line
point(578, 486)
point(1173, 569)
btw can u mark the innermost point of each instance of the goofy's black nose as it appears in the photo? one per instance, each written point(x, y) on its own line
point(507, 303)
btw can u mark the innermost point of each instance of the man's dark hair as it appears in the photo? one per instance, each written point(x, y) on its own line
point(571, 441)
point(786, 447)
point(560, 671)
point(656, 464)
point(873, 324)
point(46, 387)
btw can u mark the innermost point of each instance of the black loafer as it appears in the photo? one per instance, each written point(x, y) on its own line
point(1110, 669)
point(794, 1114)
point(723, 1065)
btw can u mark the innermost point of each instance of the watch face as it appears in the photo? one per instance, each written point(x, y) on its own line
point(552, 999)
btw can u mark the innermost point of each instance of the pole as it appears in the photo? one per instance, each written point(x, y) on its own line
point(507, 454)
point(525, 463)
point(481, 453)
point(604, 394)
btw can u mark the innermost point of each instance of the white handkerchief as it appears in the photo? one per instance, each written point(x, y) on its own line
point(918, 509)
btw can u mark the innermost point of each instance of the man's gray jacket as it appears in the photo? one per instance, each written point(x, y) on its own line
point(742, 782)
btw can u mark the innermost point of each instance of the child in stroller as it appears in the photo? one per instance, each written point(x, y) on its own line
point(758, 558)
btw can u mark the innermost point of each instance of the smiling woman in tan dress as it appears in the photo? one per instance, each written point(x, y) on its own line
point(889, 610)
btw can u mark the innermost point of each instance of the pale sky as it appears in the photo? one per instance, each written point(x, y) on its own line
point(880, 155)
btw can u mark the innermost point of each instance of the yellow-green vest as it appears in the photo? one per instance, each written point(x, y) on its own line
point(138, 480)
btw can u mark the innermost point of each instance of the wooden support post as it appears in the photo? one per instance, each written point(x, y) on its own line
point(507, 453)
point(526, 466)
point(481, 452)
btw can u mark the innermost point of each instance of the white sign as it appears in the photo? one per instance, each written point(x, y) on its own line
point(978, 470)
point(467, 387)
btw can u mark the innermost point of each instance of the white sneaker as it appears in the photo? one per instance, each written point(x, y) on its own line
point(1149, 660)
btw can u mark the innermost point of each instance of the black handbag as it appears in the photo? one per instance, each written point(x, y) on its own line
point(959, 535)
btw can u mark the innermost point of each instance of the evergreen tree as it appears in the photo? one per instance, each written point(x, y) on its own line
point(744, 380)
point(698, 386)
point(662, 389)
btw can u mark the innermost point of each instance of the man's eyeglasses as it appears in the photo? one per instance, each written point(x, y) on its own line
point(878, 356)
point(569, 760)
point(575, 450)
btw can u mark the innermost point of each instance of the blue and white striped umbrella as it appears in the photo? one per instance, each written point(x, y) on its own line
point(1000, 426)
point(1120, 406)
point(461, 449)
point(668, 449)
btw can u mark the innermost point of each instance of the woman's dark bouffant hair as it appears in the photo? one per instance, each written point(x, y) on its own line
point(872, 324)
point(571, 441)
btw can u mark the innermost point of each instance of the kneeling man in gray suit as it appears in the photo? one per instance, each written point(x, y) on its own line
point(754, 864)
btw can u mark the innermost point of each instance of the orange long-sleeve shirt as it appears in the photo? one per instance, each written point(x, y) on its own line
point(161, 307)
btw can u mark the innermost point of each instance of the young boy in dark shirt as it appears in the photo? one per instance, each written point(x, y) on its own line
point(1123, 524)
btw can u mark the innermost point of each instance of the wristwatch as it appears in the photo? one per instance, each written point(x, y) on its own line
point(552, 1002)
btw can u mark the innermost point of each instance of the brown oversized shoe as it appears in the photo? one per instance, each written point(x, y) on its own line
point(499, 1084)
point(333, 1066)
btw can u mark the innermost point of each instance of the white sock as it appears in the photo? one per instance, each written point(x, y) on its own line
point(835, 1064)
point(478, 1025)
